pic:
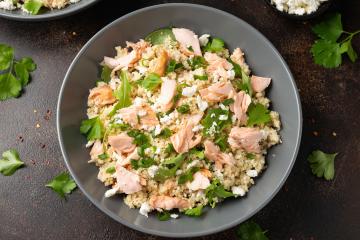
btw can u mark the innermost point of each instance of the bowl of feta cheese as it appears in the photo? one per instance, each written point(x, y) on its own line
point(300, 9)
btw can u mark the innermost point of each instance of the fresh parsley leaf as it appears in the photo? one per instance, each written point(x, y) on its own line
point(201, 77)
point(165, 133)
point(221, 141)
point(9, 86)
point(169, 149)
point(212, 123)
point(92, 128)
point(122, 94)
point(151, 81)
point(198, 154)
point(10, 162)
point(142, 163)
point(140, 138)
point(194, 212)
point(6, 56)
point(228, 102)
point(245, 83)
point(110, 170)
point(216, 191)
point(103, 156)
point(215, 45)
point(330, 29)
point(163, 216)
point(197, 62)
point(322, 164)
point(326, 53)
point(33, 6)
point(15, 74)
point(185, 108)
point(62, 184)
point(250, 156)
point(105, 74)
point(159, 36)
point(171, 66)
point(251, 231)
point(166, 172)
point(258, 114)
point(188, 175)
point(190, 48)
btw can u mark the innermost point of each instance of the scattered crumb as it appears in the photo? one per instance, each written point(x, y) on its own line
point(74, 33)
point(315, 133)
point(312, 120)
point(35, 111)
point(334, 134)
point(47, 115)
point(42, 145)
point(33, 162)
point(37, 125)
point(20, 138)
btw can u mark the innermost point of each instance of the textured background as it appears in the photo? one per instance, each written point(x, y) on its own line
point(305, 208)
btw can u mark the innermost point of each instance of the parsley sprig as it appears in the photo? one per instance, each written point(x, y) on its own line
point(322, 164)
point(327, 51)
point(14, 75)
point(251, 231)
point(10, 162)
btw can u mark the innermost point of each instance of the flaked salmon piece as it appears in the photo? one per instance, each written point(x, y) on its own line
point(200, 181)
point(213, 153)
point(246, 138)
point(217, 92)
point(161, 63)
point(96, 150)
point(206, 172)
point(122, 143)
point(259, 84)
point(167, 93)
point(240, 106)
point(126, 160)
point(127, 181)
point(139, 116)
point(185, 138)
point(187, 38)
point(238, 57)
point(101, 96)
point(218, 66)
point(168, 203)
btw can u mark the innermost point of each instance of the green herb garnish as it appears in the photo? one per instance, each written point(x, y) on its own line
point(165, 133)
point(197, 62)
point(140, 138)
point(105, 74)
point(122, 93)
point(10, 162)
point(194, 212)
point(103, 156)
point(110, 170)
point(251, 231)
point(92, 128)
point(142, 163)
point(159, 36)
point(166, 172)
point(163, 216)
point(215, 45)
point(185, 108)
point(62, 184)
point(212, 124)
point(14, 75)
point(322, 164)
point(33, 6)
point(201, 77)
point(327, 51)
point(258, 114)
point(216, 191)
point(151, 81)
point(188, 175)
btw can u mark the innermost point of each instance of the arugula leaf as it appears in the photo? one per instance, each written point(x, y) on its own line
point(322, 164)
point(9, 86)
point(215, 45)
point(188, 175)
point(258, 114)
point(197, 62)
point(6, 56)
point(15, 73)
point(163, 216)
point(326, 53)
point(110, 170)
point(62, 184)
point(194, 212)
point(33, 6)
point(92, 128)
point(251, 231)
point(212, 124)
point(159, 36)
point(185, 108)
point(151, 81)
point(216, 191)
point(330, 29)
point(10, 162)
point(105, 74)
point(122, 94)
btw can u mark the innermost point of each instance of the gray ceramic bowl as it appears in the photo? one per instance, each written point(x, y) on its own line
point(19, 15)
point(263, 59)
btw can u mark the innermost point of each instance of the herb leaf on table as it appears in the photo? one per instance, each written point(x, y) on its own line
point(62, 184)
point(251, 231)
point(14, 75)
point(10, 162)
point(322, 164)
point(327, 51)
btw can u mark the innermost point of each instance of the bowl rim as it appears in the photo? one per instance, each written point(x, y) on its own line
point(9, 14)
point(200, 232)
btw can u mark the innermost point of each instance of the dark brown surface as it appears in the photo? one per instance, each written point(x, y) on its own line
point(305, 208)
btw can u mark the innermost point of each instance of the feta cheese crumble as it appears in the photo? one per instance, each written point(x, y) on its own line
point(202, 105)
point(145, 209)
point(189, 91)
point(204, 39)
point(238, 191)
point(297, 7)
point(252, 173)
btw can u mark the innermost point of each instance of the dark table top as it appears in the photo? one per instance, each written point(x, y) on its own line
point(305, 208)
